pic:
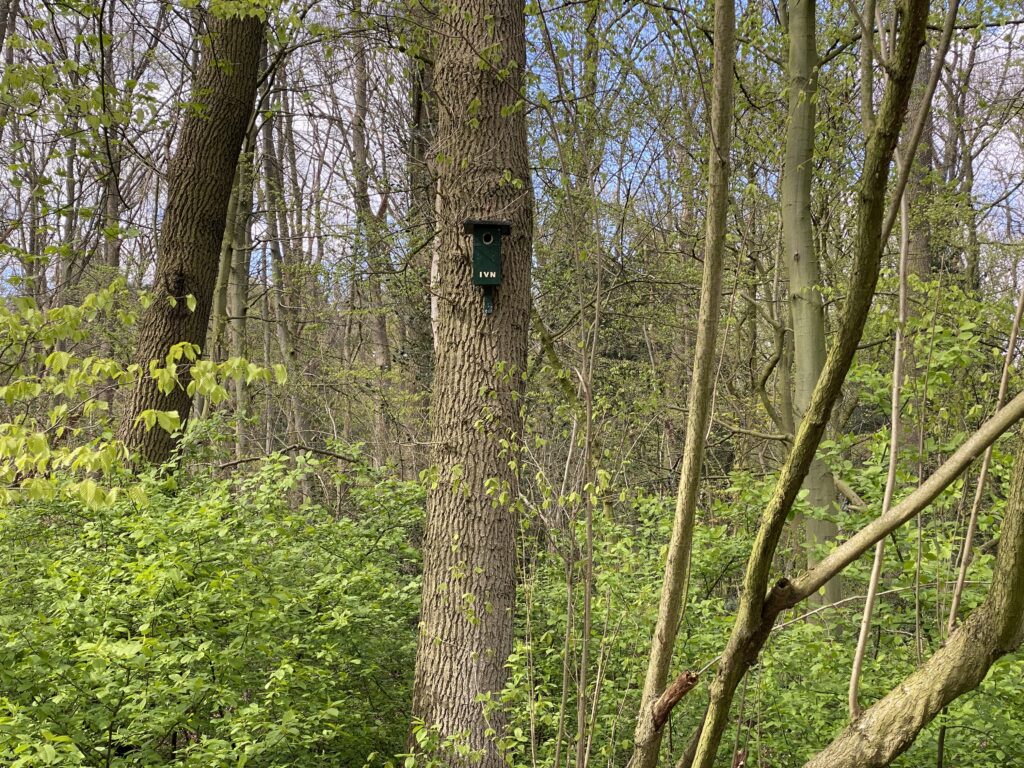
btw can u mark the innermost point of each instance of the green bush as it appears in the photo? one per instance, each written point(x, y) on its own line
point(209, 622)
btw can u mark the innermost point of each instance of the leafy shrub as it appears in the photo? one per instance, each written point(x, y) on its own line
point(207, 622)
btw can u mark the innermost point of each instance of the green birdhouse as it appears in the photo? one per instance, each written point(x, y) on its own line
point(486, 249)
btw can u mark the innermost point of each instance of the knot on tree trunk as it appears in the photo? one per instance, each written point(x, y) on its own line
point(781, 597)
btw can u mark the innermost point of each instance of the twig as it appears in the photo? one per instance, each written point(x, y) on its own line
point(288, 449)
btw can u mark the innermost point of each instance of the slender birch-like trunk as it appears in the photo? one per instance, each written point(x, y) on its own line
point(654, 709)
point(802, 264)
point(279, 233)
point(238, 290)
point(755, 617)
point(369, 227)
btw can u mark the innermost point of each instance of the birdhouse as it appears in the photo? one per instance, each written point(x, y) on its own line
point(486, 249)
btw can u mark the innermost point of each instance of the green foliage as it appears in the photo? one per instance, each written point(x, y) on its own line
point(209, 622)
point(268, 617)
point(794, 699)
point(628, 565)
point(56, 429)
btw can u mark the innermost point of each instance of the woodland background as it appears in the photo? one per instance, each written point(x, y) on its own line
point(253, 596)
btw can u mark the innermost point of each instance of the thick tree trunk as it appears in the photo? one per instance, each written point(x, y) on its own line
point(802, 264)
point(469, 548)
point(650, 719)
point(199, 186)
point(994, 629)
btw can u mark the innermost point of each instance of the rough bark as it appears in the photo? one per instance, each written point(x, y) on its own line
point(650, 720)
point(995, 628)
point(469, 549)
point(199, 186)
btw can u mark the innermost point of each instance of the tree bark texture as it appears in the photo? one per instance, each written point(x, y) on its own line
point(199, 186)
point(469, 580)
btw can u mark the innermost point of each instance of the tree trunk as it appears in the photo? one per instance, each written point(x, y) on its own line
point(649, 724)
point(218, 312)
point(6, 6)
point(754, 617)
point(920, 187)
point(112, 199)
point(419, 345)
point(199, 186)
point(212, 348)
point(282, 256)
point(369, 226)
point(9, 16)
point(469, 549)
point(238, 290)
point(972, 256)
point(802, 263)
